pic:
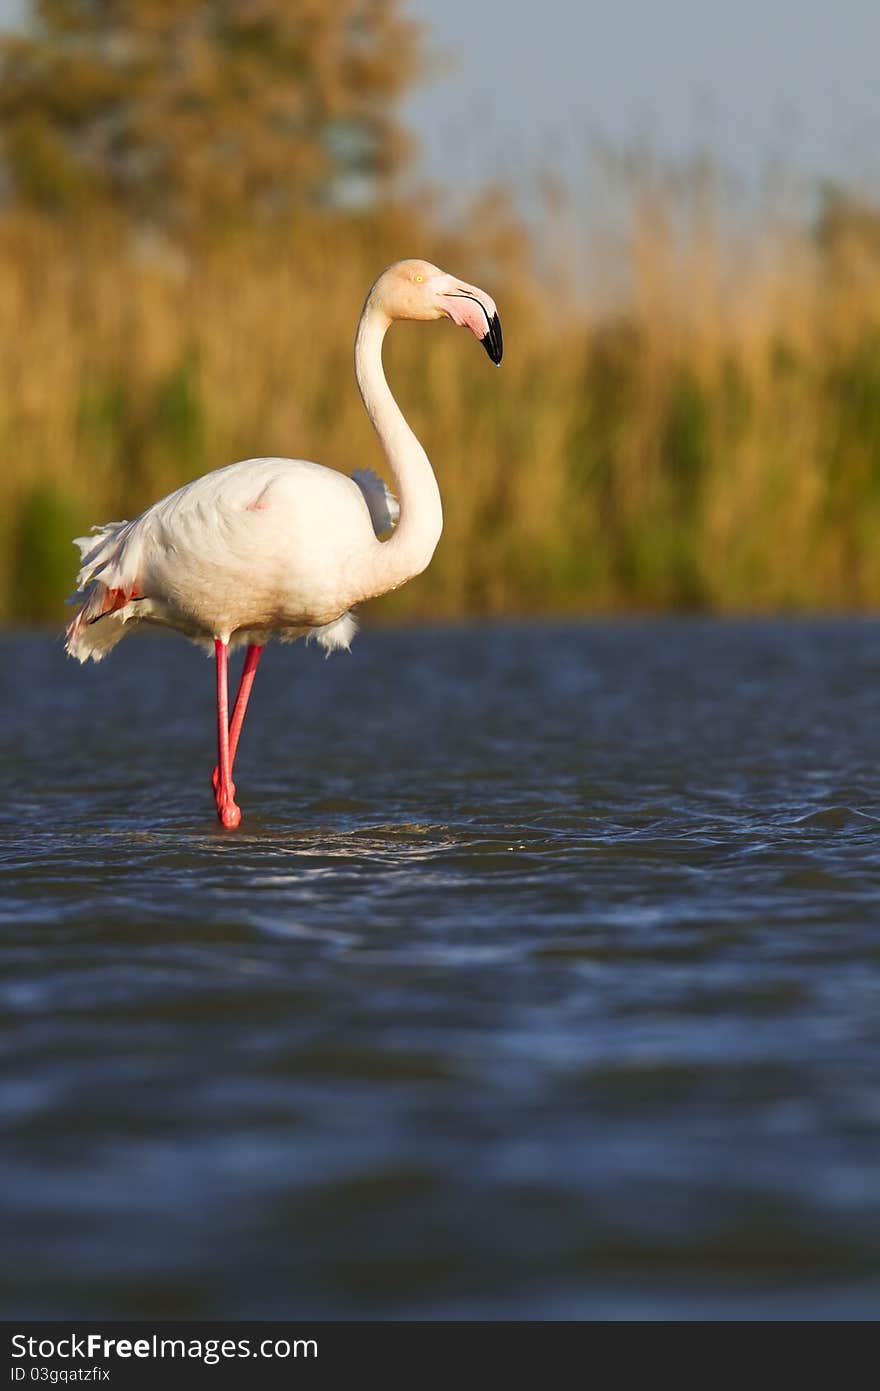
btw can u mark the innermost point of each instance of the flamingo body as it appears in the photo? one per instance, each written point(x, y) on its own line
point(281, 547)
point(262, 547)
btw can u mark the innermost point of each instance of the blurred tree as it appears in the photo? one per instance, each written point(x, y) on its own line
point(181, 112)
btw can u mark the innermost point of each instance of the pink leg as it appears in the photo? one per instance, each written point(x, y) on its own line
point(249, 671)
point(227, 811)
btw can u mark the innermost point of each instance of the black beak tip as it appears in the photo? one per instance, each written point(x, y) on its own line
point(493, 342)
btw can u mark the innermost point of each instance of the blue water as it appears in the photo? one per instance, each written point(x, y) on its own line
point(542, 979)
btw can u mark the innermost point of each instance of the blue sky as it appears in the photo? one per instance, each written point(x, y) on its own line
point(748, 78)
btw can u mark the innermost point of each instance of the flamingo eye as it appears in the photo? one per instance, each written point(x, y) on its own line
point(419, 279)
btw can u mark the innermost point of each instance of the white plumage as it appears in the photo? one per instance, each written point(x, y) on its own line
point(280, 547)
point(258, 547)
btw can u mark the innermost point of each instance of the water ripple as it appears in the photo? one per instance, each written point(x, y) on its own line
point(542, 979)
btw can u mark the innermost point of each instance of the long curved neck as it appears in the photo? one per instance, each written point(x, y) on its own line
point(418, 530)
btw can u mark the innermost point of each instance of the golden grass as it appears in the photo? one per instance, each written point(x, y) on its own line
point(710, 439)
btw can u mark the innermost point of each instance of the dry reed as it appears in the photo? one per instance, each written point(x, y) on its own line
point(711, 439)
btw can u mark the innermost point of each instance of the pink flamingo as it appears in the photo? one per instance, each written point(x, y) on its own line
point(281, 547)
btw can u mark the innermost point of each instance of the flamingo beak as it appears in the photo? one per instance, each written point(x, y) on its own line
point(474, 309)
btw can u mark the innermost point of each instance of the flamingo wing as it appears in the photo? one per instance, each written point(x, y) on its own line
point(383, 505)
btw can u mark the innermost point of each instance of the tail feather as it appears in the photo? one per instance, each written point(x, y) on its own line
point(106, 589)
point(98, 550)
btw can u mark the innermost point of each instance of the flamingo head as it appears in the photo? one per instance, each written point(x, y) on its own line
point(418, 290)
